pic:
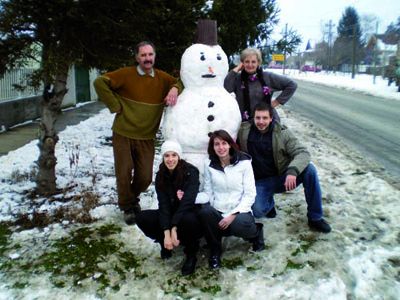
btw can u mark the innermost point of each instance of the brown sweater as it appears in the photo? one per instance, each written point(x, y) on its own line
point(138, 100)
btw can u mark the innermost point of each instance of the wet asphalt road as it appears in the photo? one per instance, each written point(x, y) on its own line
point(368, 123)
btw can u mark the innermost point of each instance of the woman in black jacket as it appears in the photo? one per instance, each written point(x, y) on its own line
point(175, 221)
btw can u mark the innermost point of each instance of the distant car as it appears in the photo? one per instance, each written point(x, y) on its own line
point(307, 68)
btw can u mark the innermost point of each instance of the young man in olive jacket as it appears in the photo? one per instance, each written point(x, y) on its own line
point(280, 163)
point(137, 95)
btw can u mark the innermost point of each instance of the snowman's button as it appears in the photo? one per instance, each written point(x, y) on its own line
point(210, 104)
point(210, 118)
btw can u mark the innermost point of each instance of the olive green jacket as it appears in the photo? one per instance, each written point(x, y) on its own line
point(290, 156)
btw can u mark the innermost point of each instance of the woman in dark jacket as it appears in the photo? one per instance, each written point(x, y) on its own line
point(252, 85)
point(175, 221)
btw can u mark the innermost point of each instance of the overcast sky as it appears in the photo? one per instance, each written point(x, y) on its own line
point(308, 17)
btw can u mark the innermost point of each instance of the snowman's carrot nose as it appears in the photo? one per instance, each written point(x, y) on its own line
point(210, 70)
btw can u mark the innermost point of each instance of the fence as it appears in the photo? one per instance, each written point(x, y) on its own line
point(16, 77)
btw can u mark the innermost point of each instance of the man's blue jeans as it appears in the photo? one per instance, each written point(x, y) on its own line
point(267, 187)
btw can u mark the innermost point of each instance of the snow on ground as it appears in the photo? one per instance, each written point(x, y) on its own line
point(106, 259)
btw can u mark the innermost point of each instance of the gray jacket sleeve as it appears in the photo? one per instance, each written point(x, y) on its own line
point(281, 83)
point(229, 82)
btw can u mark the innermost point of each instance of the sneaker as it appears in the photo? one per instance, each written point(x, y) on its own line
point(130, 217)
point(320, 225)
point(165, 253)
point(214, 262)
point(189, 265)
point(271, 214)
point(258, 241)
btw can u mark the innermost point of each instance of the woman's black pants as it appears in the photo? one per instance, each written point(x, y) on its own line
point(189, 229)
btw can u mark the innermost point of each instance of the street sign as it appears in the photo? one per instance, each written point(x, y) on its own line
point(278, 57)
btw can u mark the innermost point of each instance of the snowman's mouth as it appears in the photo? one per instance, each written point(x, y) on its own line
point(208, 76)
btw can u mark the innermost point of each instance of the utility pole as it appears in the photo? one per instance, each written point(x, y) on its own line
point(330, 26)
point(374, 52)
point(284, 50)
point(353, 56)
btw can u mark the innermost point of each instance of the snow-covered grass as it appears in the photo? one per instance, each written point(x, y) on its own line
point(76, 246)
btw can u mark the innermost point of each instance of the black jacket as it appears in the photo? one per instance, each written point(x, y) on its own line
point(170, 208)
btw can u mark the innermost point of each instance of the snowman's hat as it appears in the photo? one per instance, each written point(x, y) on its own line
point(206, 32)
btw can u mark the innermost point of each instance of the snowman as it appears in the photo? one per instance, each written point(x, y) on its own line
point(204, 105)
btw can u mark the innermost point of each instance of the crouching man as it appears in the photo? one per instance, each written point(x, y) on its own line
point(280, 164)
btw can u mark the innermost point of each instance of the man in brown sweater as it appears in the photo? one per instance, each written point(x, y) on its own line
point(137, 95)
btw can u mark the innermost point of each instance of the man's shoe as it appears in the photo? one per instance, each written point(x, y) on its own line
point(214, 261)
point(320, 225)
point(189, 265)
point(130, 217)
point(258, 241)
point(165, 253)
point(136, 207)
point(271, 214)
point(130, 214)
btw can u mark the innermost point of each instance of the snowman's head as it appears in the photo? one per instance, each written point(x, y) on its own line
point(203, 65)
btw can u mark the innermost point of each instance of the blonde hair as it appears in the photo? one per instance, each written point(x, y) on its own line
point(251, 51)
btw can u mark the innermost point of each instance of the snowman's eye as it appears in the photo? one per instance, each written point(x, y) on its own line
point(219, 57)
point(202, 57)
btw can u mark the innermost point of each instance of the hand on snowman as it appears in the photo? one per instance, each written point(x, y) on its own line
point(172, 96)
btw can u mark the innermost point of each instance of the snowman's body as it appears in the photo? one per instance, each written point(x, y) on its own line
point(204, 105)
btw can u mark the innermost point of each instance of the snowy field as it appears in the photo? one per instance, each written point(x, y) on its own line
point(76, 245)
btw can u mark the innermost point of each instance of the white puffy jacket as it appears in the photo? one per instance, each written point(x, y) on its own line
point(231, 189)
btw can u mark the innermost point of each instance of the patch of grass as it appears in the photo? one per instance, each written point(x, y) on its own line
point(232, 263)
point(394, 261)
point(213, 289)
point(203, 279)
point(253, 268)
point(306, 242)
point(20, 285)
point(78, 256)
point(303, 248)
point(129, 261)
point(83, 255)
point(293, 266)
point(74, 213)
point(5, 233)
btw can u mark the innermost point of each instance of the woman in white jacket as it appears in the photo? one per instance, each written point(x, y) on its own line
point(229, 184)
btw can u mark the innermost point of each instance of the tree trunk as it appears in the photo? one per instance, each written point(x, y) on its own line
point(53, 96)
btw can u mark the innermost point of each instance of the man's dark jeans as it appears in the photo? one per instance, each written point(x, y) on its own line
point(267, 187)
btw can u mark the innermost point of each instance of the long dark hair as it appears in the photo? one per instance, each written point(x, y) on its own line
point(164, 176)
point(223, 135)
